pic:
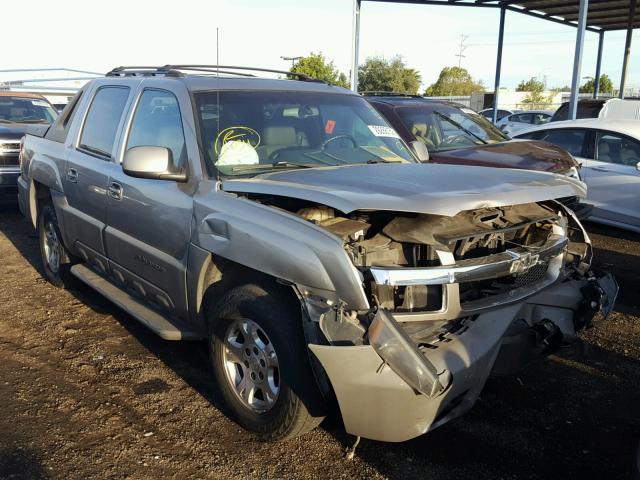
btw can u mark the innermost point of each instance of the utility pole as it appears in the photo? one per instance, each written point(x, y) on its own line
point(461, 48)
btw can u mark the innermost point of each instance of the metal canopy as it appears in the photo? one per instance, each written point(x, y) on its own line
point(604, 15)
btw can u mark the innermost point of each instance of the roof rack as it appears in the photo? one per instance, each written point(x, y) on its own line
point(178, 71)
point(380, 93)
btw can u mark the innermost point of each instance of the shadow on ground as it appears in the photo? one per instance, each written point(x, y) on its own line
point(574, 415)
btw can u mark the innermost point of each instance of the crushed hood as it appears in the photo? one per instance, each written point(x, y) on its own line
point(420, 188)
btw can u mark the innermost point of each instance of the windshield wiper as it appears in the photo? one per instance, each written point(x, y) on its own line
point(32, 121)
point(3, 120)
point(384, 160)
point(260, 166)
point(457, 125)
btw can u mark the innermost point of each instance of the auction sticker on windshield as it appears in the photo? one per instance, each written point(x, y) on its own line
point(383, 131)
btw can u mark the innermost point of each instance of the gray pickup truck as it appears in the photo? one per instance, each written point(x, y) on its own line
point(285, 223)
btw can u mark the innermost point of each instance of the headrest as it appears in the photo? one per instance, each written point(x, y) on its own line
point(419, 129)
point(279, 135)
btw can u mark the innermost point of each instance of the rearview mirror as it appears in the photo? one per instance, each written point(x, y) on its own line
point(151, 162)
point(420, 149)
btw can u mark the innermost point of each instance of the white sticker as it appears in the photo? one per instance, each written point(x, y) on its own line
point(383, 131)
point(39, 103)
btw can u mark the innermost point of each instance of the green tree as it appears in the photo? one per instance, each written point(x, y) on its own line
point(535, 92)
point(316, 65)
point(380, 75)
point(606, 85)
point(531, 85)
point(454, 81)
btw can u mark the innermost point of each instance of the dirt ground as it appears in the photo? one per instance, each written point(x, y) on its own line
point(87, 392)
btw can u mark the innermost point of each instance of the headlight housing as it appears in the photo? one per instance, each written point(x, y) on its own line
point(573, 172)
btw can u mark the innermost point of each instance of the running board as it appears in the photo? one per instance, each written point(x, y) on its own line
point(150, 318)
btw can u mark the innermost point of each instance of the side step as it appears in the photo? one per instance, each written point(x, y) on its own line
point(150, 318)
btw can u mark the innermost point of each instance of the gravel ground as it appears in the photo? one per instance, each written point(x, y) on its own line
point(87, 392)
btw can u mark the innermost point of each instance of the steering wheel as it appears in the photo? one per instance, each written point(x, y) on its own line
point(337, 137)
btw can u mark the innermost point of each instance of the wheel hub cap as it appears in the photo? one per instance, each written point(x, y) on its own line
point(52, 247)
point(251, 365)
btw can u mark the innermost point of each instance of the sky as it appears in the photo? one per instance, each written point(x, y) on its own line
point(97, 36)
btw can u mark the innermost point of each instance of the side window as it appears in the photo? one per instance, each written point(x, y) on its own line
point(614, 148)
point(157, 122)
point(569, 139)
point(101, 124)
point(59, 129)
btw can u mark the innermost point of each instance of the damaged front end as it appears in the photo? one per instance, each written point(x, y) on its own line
point(435, 304)
point(453, 300)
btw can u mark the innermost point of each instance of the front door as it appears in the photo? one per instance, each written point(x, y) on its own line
point(613, 178)
point(149, 221)
point(87, 170)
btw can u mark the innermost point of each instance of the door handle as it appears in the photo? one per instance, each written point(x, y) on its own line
point(72, 175)
point(115, 191)
point(601, 169)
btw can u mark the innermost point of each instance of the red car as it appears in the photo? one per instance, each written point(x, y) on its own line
point(457, 135)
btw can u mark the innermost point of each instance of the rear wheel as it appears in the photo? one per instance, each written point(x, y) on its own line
point(56, 260)
point(260, 363)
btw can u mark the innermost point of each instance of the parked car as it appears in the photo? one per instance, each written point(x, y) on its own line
point(610, 108)
point(501, 113)
point(520, 121)
point(456, 135)
point(609, 151)
point(285, 222)
point(20, 113)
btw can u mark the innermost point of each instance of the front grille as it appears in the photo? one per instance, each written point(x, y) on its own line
point(11, 146)
point(533, 275)
point(9, 160)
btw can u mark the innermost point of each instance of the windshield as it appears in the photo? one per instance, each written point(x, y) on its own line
point(26, 110)
point(443, 127)
point(246, 133)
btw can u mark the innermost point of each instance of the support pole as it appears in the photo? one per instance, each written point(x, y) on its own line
point(577, 59)
point(596, 79)
point(496, 88)
point(627, 48)
point(355, 45)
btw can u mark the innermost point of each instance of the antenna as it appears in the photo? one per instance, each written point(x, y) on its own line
point(461, 48)
point(218, 95)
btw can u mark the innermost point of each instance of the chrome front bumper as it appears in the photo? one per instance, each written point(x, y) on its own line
point(512, 261)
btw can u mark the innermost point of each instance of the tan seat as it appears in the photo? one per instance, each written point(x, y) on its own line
point(277, 137)
point(421, 132)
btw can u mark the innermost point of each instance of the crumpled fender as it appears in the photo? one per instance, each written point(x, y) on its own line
point(279, 244)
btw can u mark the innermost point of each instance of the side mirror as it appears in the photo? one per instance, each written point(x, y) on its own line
point(151, 162)
point(420, 149)
point(638, 166)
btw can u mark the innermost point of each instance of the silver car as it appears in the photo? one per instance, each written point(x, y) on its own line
point(286, 223)
point(609, 151)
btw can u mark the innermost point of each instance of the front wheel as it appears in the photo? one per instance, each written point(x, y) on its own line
point(56, 260)
point(260, 363)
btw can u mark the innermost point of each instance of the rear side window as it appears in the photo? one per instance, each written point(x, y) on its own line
point(157, 122)
point(572, 140)
point(60, 128)
point(101, 124)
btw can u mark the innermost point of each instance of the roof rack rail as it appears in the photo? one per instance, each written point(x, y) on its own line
point(381, 93)
point(179, 71)
point(142, 71)
point(219, 68)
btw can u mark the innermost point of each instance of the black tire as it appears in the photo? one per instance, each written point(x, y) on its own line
point(60, 274)
point(299, 406)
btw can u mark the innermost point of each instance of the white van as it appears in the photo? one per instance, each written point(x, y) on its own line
point(610, 108)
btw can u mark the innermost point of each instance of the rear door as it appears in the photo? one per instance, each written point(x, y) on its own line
point(87, 171)
point(613, 178)
point(149, 220)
